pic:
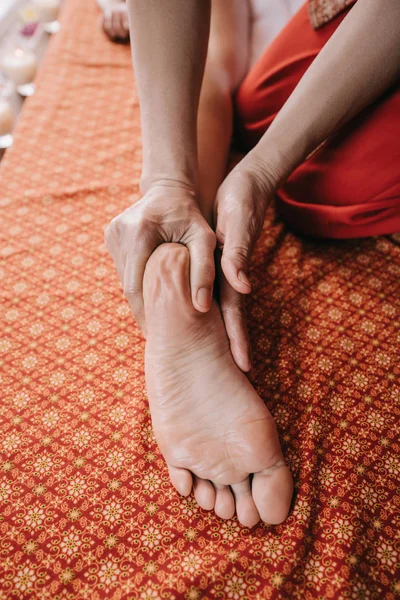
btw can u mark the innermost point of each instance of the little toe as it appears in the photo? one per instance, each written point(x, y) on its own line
point(204, 493)
point(272, 491)
point(224, 502)
point(181, 479)
point(246, 509)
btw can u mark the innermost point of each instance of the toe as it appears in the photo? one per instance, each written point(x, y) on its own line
point(224, 501)
point(116, 24)
point(121, 28)
point(272, 491)
point(181, 479)
point(125, 23)
point(246, 510)
point(204, 493)
point(107, 23)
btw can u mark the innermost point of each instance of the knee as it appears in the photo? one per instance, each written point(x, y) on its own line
point(254, 109)
point(258, 100)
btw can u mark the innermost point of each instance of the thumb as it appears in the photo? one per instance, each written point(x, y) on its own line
point(202, 268)
point(239, 213)
point(235, 246)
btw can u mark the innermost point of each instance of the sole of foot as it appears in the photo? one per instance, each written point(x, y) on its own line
point(212, 427)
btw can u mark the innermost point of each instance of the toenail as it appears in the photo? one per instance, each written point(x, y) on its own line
point(203, 297)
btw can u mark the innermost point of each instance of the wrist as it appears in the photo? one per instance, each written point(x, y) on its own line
point(169, 164)
point(176, 181)
point(271, 163)
point(283, 147)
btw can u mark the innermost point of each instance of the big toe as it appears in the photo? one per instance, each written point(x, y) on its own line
point(272, 491)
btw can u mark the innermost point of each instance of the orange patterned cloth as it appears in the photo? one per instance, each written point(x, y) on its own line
point(88, 511)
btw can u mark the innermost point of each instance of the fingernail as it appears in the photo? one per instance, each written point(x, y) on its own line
point(244, 279)
point(203, 297)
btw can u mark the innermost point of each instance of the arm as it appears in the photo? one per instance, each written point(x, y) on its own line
point(169, 46)
point(359, 62)
point(169, 43)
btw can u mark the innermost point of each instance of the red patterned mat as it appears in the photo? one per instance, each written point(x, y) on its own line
point(87, 507)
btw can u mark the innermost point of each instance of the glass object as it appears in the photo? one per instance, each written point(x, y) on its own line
point(20, 65)
point(6, 124)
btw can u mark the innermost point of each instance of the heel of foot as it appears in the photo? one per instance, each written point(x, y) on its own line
point(166, 278)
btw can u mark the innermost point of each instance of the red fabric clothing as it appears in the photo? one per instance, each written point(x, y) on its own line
point(350, 187)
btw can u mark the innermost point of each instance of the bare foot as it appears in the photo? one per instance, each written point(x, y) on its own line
point(115, 19)
point(207, 418)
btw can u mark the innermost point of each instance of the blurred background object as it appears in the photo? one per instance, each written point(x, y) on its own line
point(25, 29)
point(48, 14)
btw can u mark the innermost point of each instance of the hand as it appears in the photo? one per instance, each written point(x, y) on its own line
point(239, 213)
point(166, 213)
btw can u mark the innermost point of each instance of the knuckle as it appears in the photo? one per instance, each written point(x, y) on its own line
point(233, 308)
point(130, 291)
point(208, 271)
point(238, 252)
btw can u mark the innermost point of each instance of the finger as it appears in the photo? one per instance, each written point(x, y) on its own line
point(112, 245)
point(134, 269)
point(202, 269)
point(233, 239)
point(235, 259)
point(233, 312)
point(246, 510)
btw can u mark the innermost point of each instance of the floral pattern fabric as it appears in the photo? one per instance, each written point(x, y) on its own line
point(88, 511)
point(323, 11)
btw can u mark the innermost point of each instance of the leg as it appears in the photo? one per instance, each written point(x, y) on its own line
point(350, 186)
point(181, 348)
point(207, 418)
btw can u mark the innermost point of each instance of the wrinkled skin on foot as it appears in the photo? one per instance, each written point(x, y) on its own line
point(210, 424)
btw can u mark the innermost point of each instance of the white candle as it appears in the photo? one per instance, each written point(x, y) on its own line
point(48, 9)
point(20, 66)
point(6, 117)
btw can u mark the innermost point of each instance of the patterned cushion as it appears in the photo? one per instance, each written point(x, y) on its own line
point(88, 511)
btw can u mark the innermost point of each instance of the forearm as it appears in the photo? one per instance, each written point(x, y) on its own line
point(214, 137)
point(359, 62)
point(169, 46)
